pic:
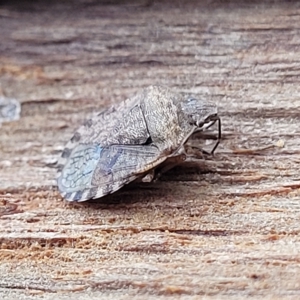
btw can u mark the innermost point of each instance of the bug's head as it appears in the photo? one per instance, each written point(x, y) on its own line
point(200, 113)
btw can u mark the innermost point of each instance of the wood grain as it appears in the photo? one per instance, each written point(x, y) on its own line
point(227, 227)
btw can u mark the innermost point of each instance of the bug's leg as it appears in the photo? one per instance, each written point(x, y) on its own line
point(197, 152)
point(170, 163)
point(149, 177)
point(194, 152)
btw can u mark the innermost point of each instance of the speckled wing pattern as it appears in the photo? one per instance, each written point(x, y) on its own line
point(122, 144)
point(93, 171)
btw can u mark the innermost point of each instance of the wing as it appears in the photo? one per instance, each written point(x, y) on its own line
point(93, 171)
point(123, 125)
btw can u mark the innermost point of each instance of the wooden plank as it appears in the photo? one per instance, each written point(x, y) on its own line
point(226, 227)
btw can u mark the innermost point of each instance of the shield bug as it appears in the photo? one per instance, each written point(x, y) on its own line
point(144, 134)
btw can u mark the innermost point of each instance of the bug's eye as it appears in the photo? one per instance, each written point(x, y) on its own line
point(213, 117)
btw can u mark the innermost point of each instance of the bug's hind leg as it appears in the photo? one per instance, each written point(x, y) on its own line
point(169, 164)
point(149, 176)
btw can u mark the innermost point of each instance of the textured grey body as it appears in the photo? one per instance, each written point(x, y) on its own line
point(126, 142)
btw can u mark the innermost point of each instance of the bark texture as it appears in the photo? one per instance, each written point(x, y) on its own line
point(220, 228)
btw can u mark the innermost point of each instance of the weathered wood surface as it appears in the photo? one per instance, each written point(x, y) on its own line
point(227, 228)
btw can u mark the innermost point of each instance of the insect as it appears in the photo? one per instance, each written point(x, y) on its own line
point(145, 133)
